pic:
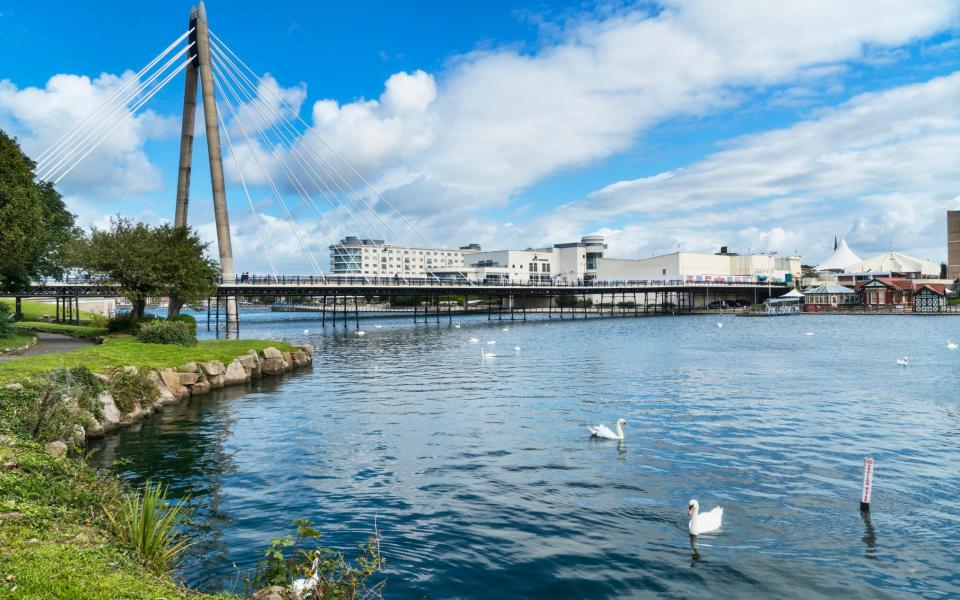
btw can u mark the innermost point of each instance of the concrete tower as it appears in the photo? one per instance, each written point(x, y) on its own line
point(953, 244)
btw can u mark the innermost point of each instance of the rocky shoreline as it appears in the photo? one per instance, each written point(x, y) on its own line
point(19, 350)
point(186, 381)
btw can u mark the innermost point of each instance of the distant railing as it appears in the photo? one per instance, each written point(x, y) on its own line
point(354, 280)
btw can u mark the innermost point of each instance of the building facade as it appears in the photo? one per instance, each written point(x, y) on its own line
point(684, 266)
point(953, 244)
point(365, 257)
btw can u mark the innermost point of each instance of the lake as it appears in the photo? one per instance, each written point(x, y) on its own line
point(483, 482)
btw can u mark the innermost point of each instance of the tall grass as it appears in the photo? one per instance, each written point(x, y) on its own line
point(147, 523)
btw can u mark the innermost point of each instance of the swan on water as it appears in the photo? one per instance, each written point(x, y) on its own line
point(903, 361)
point(456, 325)
point(808, 333)
point(377, 326)
point(603, 432)
point(306, 332)
point(951, 345)
point(505, 329)
point(486, 355)
point(516, 348)
point(474, 341)
point(706, 522)
point(491, 342)
point(361, 332)
point(720, 325)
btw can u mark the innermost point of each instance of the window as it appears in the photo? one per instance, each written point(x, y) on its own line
point(664, 271)
point(533, 267)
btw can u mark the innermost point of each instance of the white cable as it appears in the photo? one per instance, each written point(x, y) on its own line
point(281, 137)
point(124, 117)
point(116, 113)
point(266, 174)
point(253, 211)
point(66, 137)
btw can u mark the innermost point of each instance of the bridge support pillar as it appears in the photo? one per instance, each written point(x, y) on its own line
point(18, 309)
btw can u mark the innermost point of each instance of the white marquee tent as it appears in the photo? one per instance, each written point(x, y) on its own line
point(841, 258)
point(894, 262)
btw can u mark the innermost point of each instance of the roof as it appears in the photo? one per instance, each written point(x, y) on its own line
point(832, 288)
point(902, 285)
point(894, 262)
point(840, 259)
point(937, 288)
point(791, 295)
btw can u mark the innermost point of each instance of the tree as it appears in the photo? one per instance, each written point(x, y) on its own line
point(35, 226)
point(147, 261)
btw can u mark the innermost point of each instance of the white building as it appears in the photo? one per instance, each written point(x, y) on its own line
point(564, 263)
point(353, 256)
point(696, 266)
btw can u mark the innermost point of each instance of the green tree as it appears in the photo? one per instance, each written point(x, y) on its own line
point(150, 261)
point(35, 226)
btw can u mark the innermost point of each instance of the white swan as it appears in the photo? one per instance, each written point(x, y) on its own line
point(903, 361)
point(808, 333)
point(516, 348)
point(378, 326)
point(361, 332)
point(706, 522)
point(491, 342)
point(720, 325)
point(456, 325)
point(306, 332)
point(603, 432)
point(951, 345)
point(474, 341)
point(505, 329)
point(486, 355)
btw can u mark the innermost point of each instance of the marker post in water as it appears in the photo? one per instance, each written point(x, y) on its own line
point(867, 484)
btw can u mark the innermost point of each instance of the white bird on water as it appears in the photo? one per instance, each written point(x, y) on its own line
point(720, 325)
point(808, 333)
point(456, 325)
point(491, 342)
point(306, 332)
point(361, 332)
point(706, 522)
point(377, 326)
point(474, 341)
point(903, 361)
point(951, 345)
point(603, 432)
point(505, 329)
point(516, 349)
point(485, 355)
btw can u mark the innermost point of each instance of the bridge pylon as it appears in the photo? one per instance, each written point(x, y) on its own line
point(200, 69)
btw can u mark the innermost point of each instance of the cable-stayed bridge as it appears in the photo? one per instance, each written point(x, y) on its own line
point(273, 150)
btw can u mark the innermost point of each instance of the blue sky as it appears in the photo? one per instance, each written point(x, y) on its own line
point(681, 124)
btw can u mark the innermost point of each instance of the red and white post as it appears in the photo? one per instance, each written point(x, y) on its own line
point(867, 484)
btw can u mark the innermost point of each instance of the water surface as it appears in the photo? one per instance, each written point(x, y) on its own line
point(483, 483)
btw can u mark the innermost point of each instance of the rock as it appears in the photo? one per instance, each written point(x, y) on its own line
point(166, 396)
point(300, 358)
point(274, 366)
point(216, 382)
point(171, 379)
point(188, 378)
point(271, 352)
point(212, 368)
point(78, 437)
point(190, 367)
point(288, 358)
point(14, 387)
point(275, 592)
point(200, 388)
point(235, 374)
point(57, 448)
point(131, 370)
point(102, 378)
point(308, 348)
point(6, 440)
point(249, 361)
point(110, 415)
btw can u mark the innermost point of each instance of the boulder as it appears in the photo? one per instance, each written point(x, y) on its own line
point(274, 366)
point(190, 367)
point(216, 382)
point(200, 388)
point(131, 370)
point(110, 418)
point(57, 448)
point(288, 358)
point(249, 361)
point(235, 374)
point(188, 378)
point(271, 352)
point(171, 379)
point(78, 436)
point(308, 348)
point(212, 368)
point(300, 358)
point(14, 387)
point(166, 395)
point(275, 592)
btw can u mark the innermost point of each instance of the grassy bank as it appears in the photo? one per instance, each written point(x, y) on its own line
point(84, 331)
point(34, 310)
point(12, 342)
point(123, 351)
point(55, 535)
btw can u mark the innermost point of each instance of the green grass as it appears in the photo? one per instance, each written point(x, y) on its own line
point(119, 352)
point(14, 341)
point(34, 310)
point(85, 331)
point(54, 540)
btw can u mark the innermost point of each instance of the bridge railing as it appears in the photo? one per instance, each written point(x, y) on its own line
point(397, 281)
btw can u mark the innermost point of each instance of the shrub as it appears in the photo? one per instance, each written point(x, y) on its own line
point(51, 407)
point(5, 327)
point(147, 523)
point(188, 319)
point(325, 573)
point(130, 389)
point(167, 332)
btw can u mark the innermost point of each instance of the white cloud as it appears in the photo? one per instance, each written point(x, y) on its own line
point(119, 166)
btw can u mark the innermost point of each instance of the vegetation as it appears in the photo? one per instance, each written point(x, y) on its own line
point(118, 352)
point(147, 261)
point(6, 328)
point(145, 522)
point(37, 227)
point(34, 310)
point(12, 342)
point(52, 406)
point(167, 332)
point(331, 575)
point(130, 388)
point(83, 331)
point(570, 301)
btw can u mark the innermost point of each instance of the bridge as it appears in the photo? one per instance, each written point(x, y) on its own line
point(302, 173)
